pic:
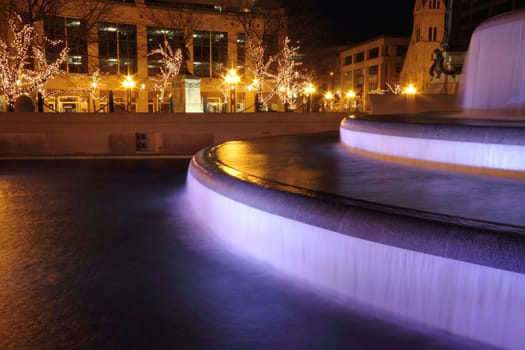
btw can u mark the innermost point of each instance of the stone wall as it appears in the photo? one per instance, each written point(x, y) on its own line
point(142, 134)
point(403, 104)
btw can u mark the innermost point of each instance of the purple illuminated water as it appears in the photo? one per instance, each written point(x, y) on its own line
point(494, 71)
point(112, 258)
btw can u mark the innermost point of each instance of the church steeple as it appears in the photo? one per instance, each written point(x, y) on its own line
point(427, 34)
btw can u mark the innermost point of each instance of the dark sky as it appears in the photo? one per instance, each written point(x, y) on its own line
point(357, 21)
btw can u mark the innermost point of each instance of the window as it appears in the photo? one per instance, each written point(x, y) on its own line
point(401, 50)
point(347, 80)
point(210, 53)
point(73, 34)
point(432, 33)
point(373, 53)
point(373, 70)
point(156, 37)
point(359, 57)
point(117, 48)
point(359, 78)
point(241, 52)
point(348, 60)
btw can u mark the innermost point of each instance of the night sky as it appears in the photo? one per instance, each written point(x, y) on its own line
point(358, 21)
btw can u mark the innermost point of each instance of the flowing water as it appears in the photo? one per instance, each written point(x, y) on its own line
point(104, 257)
point(494, 74)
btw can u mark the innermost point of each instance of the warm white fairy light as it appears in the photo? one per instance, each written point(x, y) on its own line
point(171, 64)
point(17, 51)
point(279, 70)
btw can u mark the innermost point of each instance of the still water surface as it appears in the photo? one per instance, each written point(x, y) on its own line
point(107, 256)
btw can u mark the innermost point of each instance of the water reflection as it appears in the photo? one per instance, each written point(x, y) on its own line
point(110, 259)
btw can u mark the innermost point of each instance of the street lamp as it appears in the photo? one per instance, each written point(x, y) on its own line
point(94, 86)
point(410, 89)
point(410, 92)
point(232, 79)
point(128, 84)
point(329, 97)
point(350, 95)
point(309, 90)
point(255, 87)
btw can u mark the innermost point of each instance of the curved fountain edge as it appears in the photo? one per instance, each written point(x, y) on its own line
point(482, 147)
point(443, 275)
point(495, 245)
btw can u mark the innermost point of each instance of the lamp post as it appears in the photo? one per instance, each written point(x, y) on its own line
point(309, 91)
point(410, 89)
point(329, 97)
point(128, 84)
point(255, 87)
point(410, 92)
point(350, 95)
point(232, 79)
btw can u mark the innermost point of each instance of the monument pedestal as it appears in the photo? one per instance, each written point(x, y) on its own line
point(187, 94)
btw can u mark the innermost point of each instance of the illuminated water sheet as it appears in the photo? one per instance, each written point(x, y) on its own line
point(479, 302)
point(462, 153)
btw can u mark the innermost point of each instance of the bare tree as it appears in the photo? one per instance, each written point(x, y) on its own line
point(171, 64)
point(260, 70)
point(289, 82)
point(23, 65)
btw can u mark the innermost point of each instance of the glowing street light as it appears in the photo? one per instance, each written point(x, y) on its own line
point(410, 89)
point(128, 84)
point(309, 90)
point(350, 95)
point(329, 96)
point(232, 79)
point(255, 87)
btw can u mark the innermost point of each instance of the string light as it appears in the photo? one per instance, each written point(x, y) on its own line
point(17, 76)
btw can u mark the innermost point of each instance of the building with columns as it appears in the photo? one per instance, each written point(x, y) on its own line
point(110, 45)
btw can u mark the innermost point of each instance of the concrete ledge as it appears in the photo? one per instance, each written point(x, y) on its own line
point(33, 134)
point(401, 103)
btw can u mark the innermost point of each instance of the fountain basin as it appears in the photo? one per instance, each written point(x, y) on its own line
point(311, 219)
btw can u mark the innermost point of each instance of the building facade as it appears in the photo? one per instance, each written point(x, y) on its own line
point(111, 62)
point(444, 28)
point(427, 35)
point(371, 67)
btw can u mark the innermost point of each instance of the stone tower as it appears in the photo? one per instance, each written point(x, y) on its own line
point(427, 35)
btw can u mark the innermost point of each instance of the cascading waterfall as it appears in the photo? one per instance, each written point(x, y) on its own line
point(494, 71)
point(483, 303)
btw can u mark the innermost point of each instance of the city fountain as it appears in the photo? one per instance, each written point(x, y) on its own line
point(432, 235)
point(494, 75)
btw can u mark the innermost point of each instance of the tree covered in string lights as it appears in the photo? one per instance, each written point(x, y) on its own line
point(24, 69)
point(171, 64)
point(278, 72)
point(261, 66)
point(289, 81)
